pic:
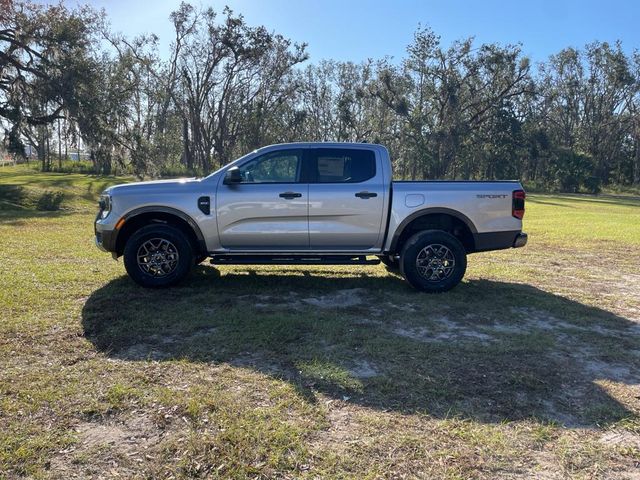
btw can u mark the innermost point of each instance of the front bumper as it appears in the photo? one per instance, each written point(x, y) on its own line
point(105, 236)
point(98, 240)
point(521, 240)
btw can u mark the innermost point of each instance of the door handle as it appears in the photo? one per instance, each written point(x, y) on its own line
point(290, 195)
point(366, 194)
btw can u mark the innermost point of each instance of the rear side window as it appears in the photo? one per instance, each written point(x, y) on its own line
point(337, 165)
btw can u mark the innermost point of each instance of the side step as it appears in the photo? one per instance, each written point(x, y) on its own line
point(292, 260)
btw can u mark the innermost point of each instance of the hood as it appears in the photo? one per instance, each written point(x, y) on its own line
point(153, 185)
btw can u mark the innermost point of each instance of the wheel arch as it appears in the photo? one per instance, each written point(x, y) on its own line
point(436, 218)
point(140, 217)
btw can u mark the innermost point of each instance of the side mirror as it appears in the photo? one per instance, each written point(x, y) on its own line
point(232, 176)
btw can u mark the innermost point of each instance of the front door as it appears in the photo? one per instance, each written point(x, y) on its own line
point(267, 210)
point(346, 197)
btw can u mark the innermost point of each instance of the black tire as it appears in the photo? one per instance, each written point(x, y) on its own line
point(173, 247)
point(438, 275)
point(390, 261)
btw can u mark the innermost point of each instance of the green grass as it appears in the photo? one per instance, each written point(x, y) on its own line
point(21, 188)
point(585, 221)
point(530, 367)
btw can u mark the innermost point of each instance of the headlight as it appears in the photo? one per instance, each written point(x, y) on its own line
point(105, 205)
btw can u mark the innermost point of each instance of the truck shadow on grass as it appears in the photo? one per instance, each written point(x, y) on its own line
point(488, 351)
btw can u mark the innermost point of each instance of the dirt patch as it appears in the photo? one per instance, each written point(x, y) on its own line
point(343, 430)
point(422, 334)
point(338, 299)
point(158, 347)
point(544, 467)
point(621, 439)
point(257, 362)
point(610, 371)
point(130, 437)
point(443, 330)
point(405, 307)
point(123, 445)
point(533, 318)
point(628, 285)
point(363, 369)
point(555, 411)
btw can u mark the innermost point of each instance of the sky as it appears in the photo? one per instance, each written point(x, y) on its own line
point(356, 30)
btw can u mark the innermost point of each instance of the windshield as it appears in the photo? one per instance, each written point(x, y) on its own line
point(231, 163)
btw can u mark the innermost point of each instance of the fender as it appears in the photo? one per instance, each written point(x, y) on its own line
point(162, 209)
point(427, 211)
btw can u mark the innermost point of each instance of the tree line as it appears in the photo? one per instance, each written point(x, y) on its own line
point(458, 111)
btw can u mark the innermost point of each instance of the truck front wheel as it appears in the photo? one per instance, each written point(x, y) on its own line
point(390, 261)
point(433, 261)
point(158, 256)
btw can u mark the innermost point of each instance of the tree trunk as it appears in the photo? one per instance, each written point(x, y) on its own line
point(66, 140)
point(48, 154)
point(636, 164)
point(59, 148)
point(42, 158)
point(187, 158)
point(41, 150)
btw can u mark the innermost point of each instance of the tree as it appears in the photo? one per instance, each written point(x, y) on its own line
point(231, 77)
point(446, 96)
point(457, 111)
point(45, 55)
point(588, 103)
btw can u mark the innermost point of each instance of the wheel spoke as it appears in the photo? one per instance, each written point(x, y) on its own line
point(157, 257)
point(435, 262)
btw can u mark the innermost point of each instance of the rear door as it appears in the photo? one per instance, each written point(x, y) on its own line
point(346, 196)
point(268, 209)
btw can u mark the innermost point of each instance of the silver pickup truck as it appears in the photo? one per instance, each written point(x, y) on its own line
point(309, 203)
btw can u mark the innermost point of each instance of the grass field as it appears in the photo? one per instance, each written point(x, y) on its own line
point(529, 369)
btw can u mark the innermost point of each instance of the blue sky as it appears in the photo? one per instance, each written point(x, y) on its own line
point(356, 30)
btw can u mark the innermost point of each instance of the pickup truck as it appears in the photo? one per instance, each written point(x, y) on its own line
point(309, 203)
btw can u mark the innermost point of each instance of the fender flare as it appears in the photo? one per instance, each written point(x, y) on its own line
point(171, 211)
point(429, 211)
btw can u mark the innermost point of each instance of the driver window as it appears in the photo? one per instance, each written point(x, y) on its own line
point(274, 167)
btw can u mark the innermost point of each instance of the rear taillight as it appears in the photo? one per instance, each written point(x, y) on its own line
point(517, 204)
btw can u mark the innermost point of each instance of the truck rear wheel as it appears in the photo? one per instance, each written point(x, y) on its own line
point(433, 261)
point(158, 256)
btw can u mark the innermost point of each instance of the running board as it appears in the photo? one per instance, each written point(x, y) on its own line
point(292, 260)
